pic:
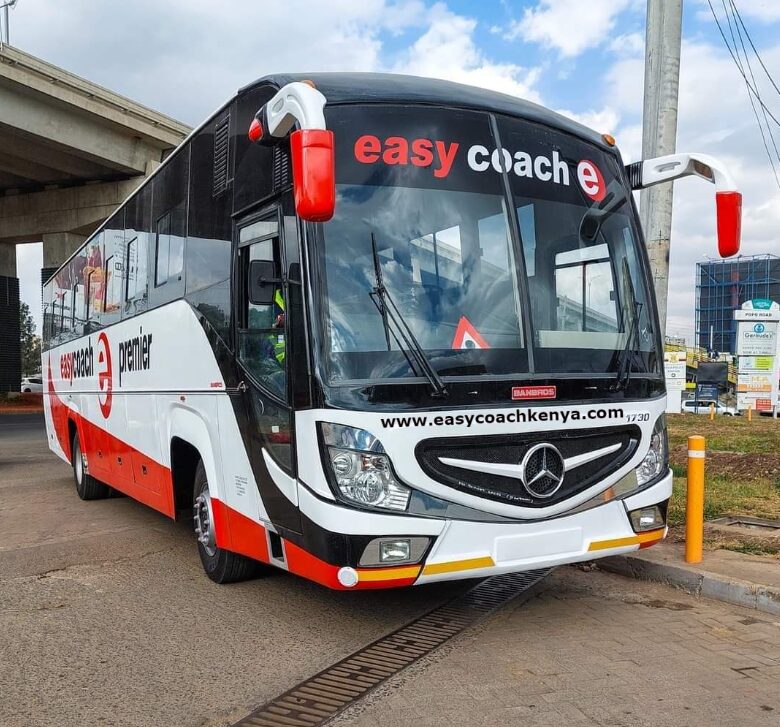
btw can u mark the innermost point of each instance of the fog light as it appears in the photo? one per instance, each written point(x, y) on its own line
point(647, 518)
point(395, 551)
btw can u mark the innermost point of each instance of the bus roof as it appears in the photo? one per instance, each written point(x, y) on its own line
point(341, 88)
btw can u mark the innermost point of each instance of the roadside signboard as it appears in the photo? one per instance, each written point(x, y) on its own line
point(758, 321)
point(707, 391)
point(756, 338)
point(674, 371)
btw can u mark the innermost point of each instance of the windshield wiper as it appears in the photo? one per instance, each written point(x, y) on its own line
point(388, 310)
point(625, 358)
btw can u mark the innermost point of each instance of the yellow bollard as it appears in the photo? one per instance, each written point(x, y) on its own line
point(694, 506)
point(712, 412)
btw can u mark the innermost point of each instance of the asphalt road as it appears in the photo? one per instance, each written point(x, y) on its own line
point(106, 617)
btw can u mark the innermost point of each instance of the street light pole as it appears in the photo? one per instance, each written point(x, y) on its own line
point(4, 30)
point(659, 134)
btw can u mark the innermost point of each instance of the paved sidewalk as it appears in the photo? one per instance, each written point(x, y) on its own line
point(594, 649)
point(751, 581)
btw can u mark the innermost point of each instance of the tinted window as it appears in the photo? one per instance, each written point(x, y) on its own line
point(95, 280)
point(113, 267)
point(170, 220)
point(207, 255)
point(138, 225)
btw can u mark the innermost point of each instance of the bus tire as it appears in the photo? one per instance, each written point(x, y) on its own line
point(220, 565)
point(87, 487)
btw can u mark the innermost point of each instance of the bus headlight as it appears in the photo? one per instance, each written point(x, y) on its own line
point(656, 460)
point(361, 470)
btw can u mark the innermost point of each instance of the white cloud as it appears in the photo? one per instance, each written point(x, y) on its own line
point(569, 26)
point(628, 44)
point(605, 120)
point(447, 50)
point(184, 57)
point(765, 11)
point(29, 259)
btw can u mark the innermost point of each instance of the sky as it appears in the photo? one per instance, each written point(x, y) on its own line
point(584, 59)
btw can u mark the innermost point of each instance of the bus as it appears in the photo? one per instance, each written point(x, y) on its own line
point(375, 330)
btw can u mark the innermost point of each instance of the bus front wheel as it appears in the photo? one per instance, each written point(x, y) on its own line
point(220, 565)
point(87, 487)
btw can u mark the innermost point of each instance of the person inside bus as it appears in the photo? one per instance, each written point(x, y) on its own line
point(265, 352)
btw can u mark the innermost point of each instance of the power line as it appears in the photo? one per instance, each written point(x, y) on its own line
point(755, 50)
point(750, 69)
point(751, 90)
point(739, 67)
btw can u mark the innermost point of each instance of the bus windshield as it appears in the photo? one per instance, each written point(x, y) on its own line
point(425, 200)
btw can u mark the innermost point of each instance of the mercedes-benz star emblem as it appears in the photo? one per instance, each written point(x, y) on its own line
point(542, 470)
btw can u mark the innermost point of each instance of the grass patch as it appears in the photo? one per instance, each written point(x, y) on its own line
point(727, 434)
point(754, 549)
point(724, 496)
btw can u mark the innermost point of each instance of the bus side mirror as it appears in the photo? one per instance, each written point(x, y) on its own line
point(729, 210)
point(727, 200)
point(314, 175)
point(262, 282)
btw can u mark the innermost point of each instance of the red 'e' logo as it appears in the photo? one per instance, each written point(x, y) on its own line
point(105, 379)
point(591, 180)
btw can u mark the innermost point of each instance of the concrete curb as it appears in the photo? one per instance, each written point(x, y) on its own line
point(697, 582)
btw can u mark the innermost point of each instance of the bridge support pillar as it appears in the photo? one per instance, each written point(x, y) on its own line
point(10, 350)
point(8, 260)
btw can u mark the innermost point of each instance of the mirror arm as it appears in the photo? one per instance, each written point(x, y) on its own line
point(297, 102)
point(728, 199)
point(648, 172)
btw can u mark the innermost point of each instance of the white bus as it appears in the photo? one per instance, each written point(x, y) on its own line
point(377, 331)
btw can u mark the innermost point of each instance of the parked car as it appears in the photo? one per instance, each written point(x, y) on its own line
point(32, 384)
point(703, 407)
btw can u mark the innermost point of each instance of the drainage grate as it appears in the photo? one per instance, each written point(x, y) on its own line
point(320, 698)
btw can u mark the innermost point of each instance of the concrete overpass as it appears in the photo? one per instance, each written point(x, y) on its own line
point(70, 152)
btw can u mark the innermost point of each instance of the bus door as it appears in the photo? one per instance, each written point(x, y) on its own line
point(261, 341)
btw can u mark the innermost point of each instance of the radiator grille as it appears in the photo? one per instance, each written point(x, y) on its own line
point(511, 448)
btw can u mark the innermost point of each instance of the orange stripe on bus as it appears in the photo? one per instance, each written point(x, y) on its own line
point(650, 536)
point(458, 565)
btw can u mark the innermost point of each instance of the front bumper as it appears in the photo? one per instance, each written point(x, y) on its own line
point(468, 549)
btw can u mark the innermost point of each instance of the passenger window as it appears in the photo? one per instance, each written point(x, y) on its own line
point(135, 267)
point(65, 312)
point(137, 242)
point(584, 290)
point(169, 260)
point(94, 271)
point(262, 329)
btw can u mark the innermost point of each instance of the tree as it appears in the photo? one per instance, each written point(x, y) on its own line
point(31, 344)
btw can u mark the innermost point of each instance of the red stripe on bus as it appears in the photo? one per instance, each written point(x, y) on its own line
point(236, 532)
point(123, 467)
point(305, 564)
point(59, 416)
point(112, 460)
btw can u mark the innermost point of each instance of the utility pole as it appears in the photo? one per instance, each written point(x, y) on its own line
point(659, 134)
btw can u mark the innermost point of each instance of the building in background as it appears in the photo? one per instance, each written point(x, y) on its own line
point(722, 286)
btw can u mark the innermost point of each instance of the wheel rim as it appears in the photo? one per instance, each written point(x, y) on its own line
point(203, 516)
point(78, 462)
